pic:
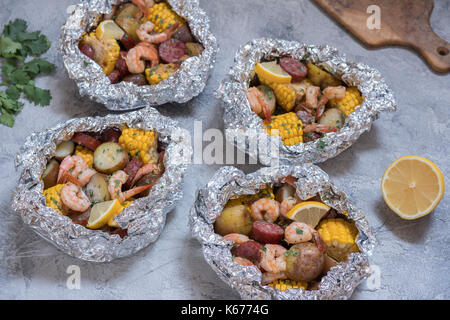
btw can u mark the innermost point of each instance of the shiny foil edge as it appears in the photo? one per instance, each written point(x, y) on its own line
point(238, 115)
point(340, 281)
point(144, 218)
point(183, 85)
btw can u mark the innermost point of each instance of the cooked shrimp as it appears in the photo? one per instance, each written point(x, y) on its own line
point(258, 103)
point(143, 6)
point(334, 92)
point(74, 198)
point(312, 97)
point(136, 55)
point(321, 128)
point(265, 209)
point(237, 238)
point(115, 186)
point(269, 277)
point(77, 168)
point(144, 32)
point(146, 169)
point(298, 232)
point(321, 106)
point(243, 262)
point(286, 205)
point(273, 258)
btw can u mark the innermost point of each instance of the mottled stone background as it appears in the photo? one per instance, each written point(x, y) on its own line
point(412, 255)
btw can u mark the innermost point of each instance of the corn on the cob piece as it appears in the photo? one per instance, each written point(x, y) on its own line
point(86, 154)
point(160, 72)
point(140, 143)
point(339, 236)
point(246, 199)
point(162, 16)
point(288, 284)
point(351, 100)
point(106, 52)
point(53, 199)
point(289, 126)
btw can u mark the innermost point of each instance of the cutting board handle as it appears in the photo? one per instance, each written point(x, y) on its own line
point(434, 49)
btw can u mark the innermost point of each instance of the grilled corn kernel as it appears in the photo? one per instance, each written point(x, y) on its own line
point(339, 236)
point(106, 52)
point(86, 154)
point(289, 126)
point(140, 143)
point(162, 16)
point(160, 72)
point(349, 103)
point(288, 284)
point(53, 199)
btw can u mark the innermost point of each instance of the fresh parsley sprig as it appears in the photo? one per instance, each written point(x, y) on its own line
point(18, 72)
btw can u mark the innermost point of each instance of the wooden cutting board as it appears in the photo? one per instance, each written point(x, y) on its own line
point(402, 22)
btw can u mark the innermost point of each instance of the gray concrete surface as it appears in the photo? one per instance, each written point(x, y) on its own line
point(412, 256)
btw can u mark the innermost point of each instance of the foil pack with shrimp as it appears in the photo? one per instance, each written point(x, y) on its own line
point(187, 78)
point(140, 221)
point(229, 184)
point(316, 146)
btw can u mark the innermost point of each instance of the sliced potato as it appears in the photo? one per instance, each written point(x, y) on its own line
point(334, 118)
point(64, 149)
point(110, 157)
point(97, 189)
point(194, 49)
point(126, 19)
point(50, 174)
point(269, 95)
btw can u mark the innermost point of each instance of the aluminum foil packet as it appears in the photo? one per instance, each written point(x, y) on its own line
point(229, 182)
point(187, 82)
point(238, 116)
point(144, 218)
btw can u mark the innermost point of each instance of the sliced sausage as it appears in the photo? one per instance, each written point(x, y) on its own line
point(296, 69)
point(131, 169)
point(183, 34)
point(266, 232)
point(86, 140)
point(121, 64)
point(249, 250)
point(87, 50)
point(114, 76)
point(127, 42)
point(171, 50)
point(111, 135)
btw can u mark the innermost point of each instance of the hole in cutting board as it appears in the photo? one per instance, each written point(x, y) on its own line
point(442, 51)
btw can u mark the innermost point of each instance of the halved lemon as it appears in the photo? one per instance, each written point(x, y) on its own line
point(102, 212)
point(108, 29)
point(271, 72)
point(309, 212)
point(112, 222)
point(412, 186)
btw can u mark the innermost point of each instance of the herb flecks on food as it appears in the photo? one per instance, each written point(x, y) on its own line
point(19, 71)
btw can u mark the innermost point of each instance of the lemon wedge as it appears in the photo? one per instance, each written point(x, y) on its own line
point(271, 72)
point(102, 212)
point(412, 186)
point(112, 222)
point(108, 29)
point(309, 212)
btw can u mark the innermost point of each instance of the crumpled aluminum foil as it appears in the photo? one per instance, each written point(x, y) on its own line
point(338, 283)
point(238, 115)
point(144, 218)
point(187, 82)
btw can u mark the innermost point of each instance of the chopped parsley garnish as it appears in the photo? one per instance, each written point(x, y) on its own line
point(321, 145)
point(299, 231)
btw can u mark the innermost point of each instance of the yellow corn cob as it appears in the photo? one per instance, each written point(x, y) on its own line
point(289, 127)
point(351, 100)
point(53, 199)
point(162, 16)
point(246, 199)
point(285, 94)
point(106, 52)
point(160, 72)
point(86, 154)
point(288, 284)
point(140, 143)
point(339, 236)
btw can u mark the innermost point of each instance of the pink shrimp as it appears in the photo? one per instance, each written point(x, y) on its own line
point(265, 209)
point(76, 167)
point(258, 103)
point(142, 51)
point(286, 205)
point(269, 277)
point(298, 232)
point(144, 32)
point(322, 128)
point(273, 258)
point(243, 262)
point(74, 198)
point(334, 92)
point(312, 94)
point(115, 186)
point(146, 169)
point(321, 106)
point(144, 6)
point(237, 238)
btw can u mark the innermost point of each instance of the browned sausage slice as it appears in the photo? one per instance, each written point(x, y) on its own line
point(131, 169)
point(296, 69)
point(171, 50)
point(249, 250)
point(266, 232)
point(86, 140)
